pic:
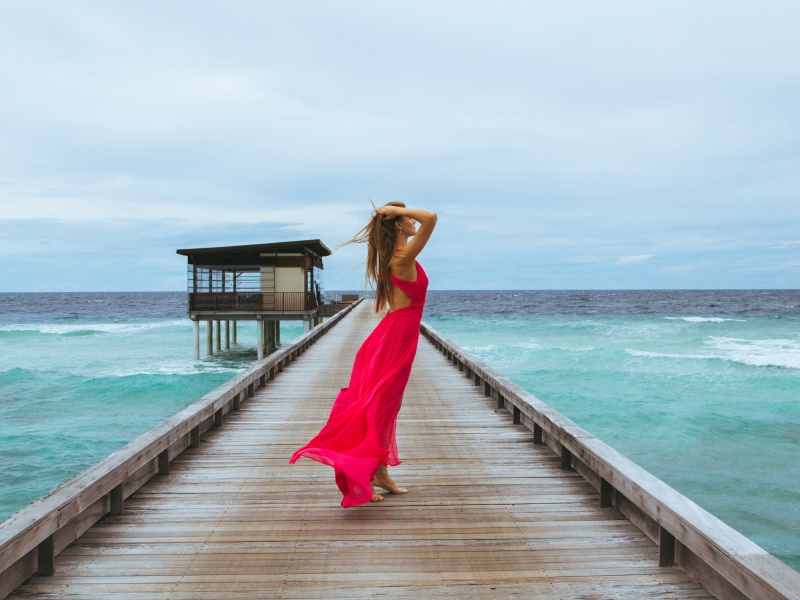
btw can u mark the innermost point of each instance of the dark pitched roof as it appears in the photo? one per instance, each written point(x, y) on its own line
point(315, 246)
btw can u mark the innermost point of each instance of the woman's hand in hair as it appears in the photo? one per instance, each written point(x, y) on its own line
point(390, 211)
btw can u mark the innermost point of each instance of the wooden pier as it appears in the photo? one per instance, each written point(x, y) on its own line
point(493, 510)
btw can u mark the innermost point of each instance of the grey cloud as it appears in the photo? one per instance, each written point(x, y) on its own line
point(568, 134)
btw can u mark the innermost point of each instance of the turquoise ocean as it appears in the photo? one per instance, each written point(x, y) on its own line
point(701, 388)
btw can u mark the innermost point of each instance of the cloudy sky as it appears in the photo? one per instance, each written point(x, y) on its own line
point(564, 145)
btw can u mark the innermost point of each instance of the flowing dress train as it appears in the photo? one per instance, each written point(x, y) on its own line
point(360, 432)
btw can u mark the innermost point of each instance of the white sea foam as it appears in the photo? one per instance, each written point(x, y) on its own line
point(167, 369)
point(703, 319)
point(756, 353)
point(63, 329)
point(481, 349)
point(648, 354)
point(759, 353)
point(163, 369)
point(527, 345)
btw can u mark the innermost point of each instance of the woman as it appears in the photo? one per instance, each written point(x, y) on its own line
point(358, 440)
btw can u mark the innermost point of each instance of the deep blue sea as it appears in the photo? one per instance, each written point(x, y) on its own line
point(702, 388)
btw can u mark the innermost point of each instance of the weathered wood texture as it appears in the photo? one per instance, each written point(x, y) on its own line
point(727, 563)
point(31, 539)
point(489, 513)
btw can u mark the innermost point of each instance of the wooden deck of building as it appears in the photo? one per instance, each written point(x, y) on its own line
point(489, 514)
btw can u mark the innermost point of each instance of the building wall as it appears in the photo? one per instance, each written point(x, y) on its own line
point(289, 279)
point(267, 279)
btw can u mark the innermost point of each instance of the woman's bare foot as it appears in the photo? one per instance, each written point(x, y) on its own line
point(376, 497)
point(382, 480)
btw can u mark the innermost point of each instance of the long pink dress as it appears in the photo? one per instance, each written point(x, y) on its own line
point(360, 432)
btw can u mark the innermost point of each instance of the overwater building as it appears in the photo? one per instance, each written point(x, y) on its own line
point(266, 283)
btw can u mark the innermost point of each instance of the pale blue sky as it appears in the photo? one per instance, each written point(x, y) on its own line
point(564, 145)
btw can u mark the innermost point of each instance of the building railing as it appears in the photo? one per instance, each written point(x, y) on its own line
point(252, 301)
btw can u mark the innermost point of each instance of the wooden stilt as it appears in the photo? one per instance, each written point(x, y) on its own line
point(270, 336)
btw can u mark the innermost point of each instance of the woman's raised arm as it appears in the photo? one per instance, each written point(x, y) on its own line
point(426, 220)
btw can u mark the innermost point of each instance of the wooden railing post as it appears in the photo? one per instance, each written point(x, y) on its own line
point(163, 462)
point(606, 494)
point(116, 501)
point(537, 434)
point(47, 558)
point(566, 458)
point(666, 548)
point(194, 436)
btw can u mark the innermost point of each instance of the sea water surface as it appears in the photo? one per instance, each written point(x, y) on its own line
point(701, 388)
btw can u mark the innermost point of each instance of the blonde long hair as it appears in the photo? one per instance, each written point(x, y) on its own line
point(379, 235)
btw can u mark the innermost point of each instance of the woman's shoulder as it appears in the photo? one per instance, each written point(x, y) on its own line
point(405, 268)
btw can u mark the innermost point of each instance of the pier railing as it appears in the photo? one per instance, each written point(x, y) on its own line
point(31, 538)
point(725, 562)
point(252, 301)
